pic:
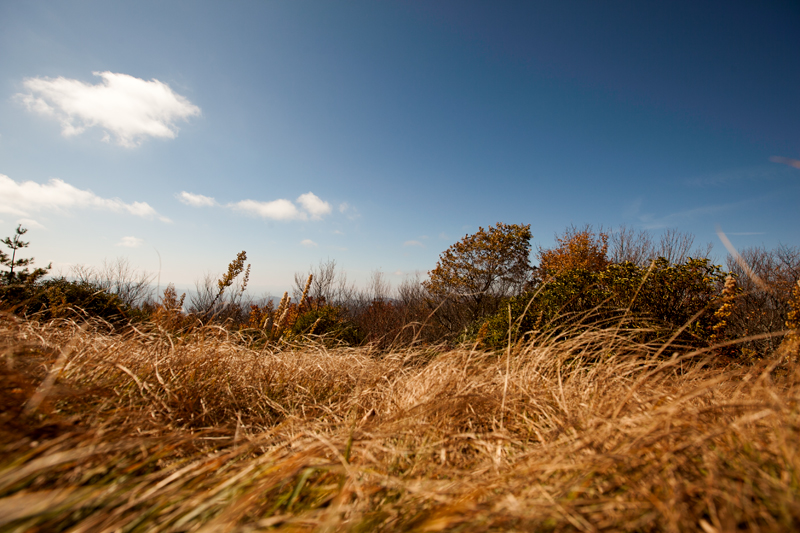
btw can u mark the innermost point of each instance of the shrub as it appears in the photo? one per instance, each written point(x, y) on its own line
point(23, 291)
point(577, 249)
point(63, 298)
point(381, 322)
point(663, 298)
point(329, 322)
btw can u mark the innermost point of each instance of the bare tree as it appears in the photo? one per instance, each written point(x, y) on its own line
point(417, 309)
point(132, 286)
point(233, 304)
point(411, 292)
point(674, 245)
point(204, 294)
point(378, 287)
point(764, 303)
point(328, 284)
point(628, 244)
point(789, 259)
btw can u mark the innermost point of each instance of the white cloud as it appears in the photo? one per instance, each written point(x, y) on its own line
point(314, 205)
point(195, 200)
point(414, 243)
point(282, 209)
point(26, 197)
point(308, 243)
point(126, 108)
point(275, 210)
point(130, 242)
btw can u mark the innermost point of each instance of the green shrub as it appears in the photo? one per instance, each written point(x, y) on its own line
point(329, 322)
point(664, 297)
point(63, 298)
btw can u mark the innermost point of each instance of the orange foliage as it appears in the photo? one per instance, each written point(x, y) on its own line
point(577, 249)
point(260, 316)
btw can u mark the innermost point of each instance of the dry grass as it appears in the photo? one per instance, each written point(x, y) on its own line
point(148, 432)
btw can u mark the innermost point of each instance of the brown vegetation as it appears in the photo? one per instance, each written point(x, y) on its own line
point(641, 395)
point(149, 432)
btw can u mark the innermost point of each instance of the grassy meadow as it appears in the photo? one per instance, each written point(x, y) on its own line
point(146, 431)
point(596, 394)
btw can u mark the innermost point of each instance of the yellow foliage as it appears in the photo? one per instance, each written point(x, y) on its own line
point(491, 263)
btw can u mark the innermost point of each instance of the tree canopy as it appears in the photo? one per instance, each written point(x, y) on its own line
point(483, 267)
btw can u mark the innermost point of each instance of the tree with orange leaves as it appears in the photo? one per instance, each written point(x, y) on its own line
point(576, 249)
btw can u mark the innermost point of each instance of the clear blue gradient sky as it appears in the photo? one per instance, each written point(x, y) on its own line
point(194, 130)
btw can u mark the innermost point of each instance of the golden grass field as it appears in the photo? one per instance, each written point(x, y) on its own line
point(149, 431)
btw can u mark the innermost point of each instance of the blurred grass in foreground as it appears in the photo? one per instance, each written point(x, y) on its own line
point(145, 431)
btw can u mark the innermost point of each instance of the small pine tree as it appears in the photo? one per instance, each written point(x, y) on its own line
point(18, 271)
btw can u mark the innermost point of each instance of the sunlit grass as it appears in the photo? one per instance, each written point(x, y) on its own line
point(148, 431)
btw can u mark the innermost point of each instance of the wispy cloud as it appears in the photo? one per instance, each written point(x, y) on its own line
point(633, 208)
point(308, 243)
point(24, 198)
point(130, 242)
point(126, 108)
point(414, 243)
point(349, 211)
point(734, 175)
point(650, 221)
point(195, 200)
point(786, 161)
point(30, 223)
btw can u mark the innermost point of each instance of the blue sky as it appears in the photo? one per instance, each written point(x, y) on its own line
point(379, 133)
